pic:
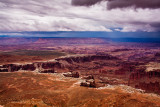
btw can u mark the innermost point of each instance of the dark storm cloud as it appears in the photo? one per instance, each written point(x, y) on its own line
point(135, 3)
point(85, 2)
point(111, 4)
point(156, 26)
point(142, 24)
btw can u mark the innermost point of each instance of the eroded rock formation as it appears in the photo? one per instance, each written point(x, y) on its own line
point(97, 70)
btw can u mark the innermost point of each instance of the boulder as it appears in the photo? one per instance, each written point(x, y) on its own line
point(72, 74)
point(89, 83)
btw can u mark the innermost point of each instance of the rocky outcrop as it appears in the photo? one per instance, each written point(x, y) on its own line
point(41, 66)
point(59, 63)
point(72, 74)
point(13, 67)
point(28, 67)
point(48, 71)
point(75, 74)
point(68, 74)
point(89, 58)
point(139, 75)
point(3, 70)
point(89, 83)
point(89, 77)
point(149, 87)
point(148, 81)
point(130, 68)
point(48, 65)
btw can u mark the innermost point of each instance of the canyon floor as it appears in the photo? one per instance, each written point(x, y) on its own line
point(80, 72)
point(27, 89)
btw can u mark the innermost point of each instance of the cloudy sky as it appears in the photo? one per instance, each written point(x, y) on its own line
point(80, 15)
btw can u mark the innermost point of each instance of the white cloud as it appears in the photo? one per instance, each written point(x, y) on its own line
point(60, 15)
